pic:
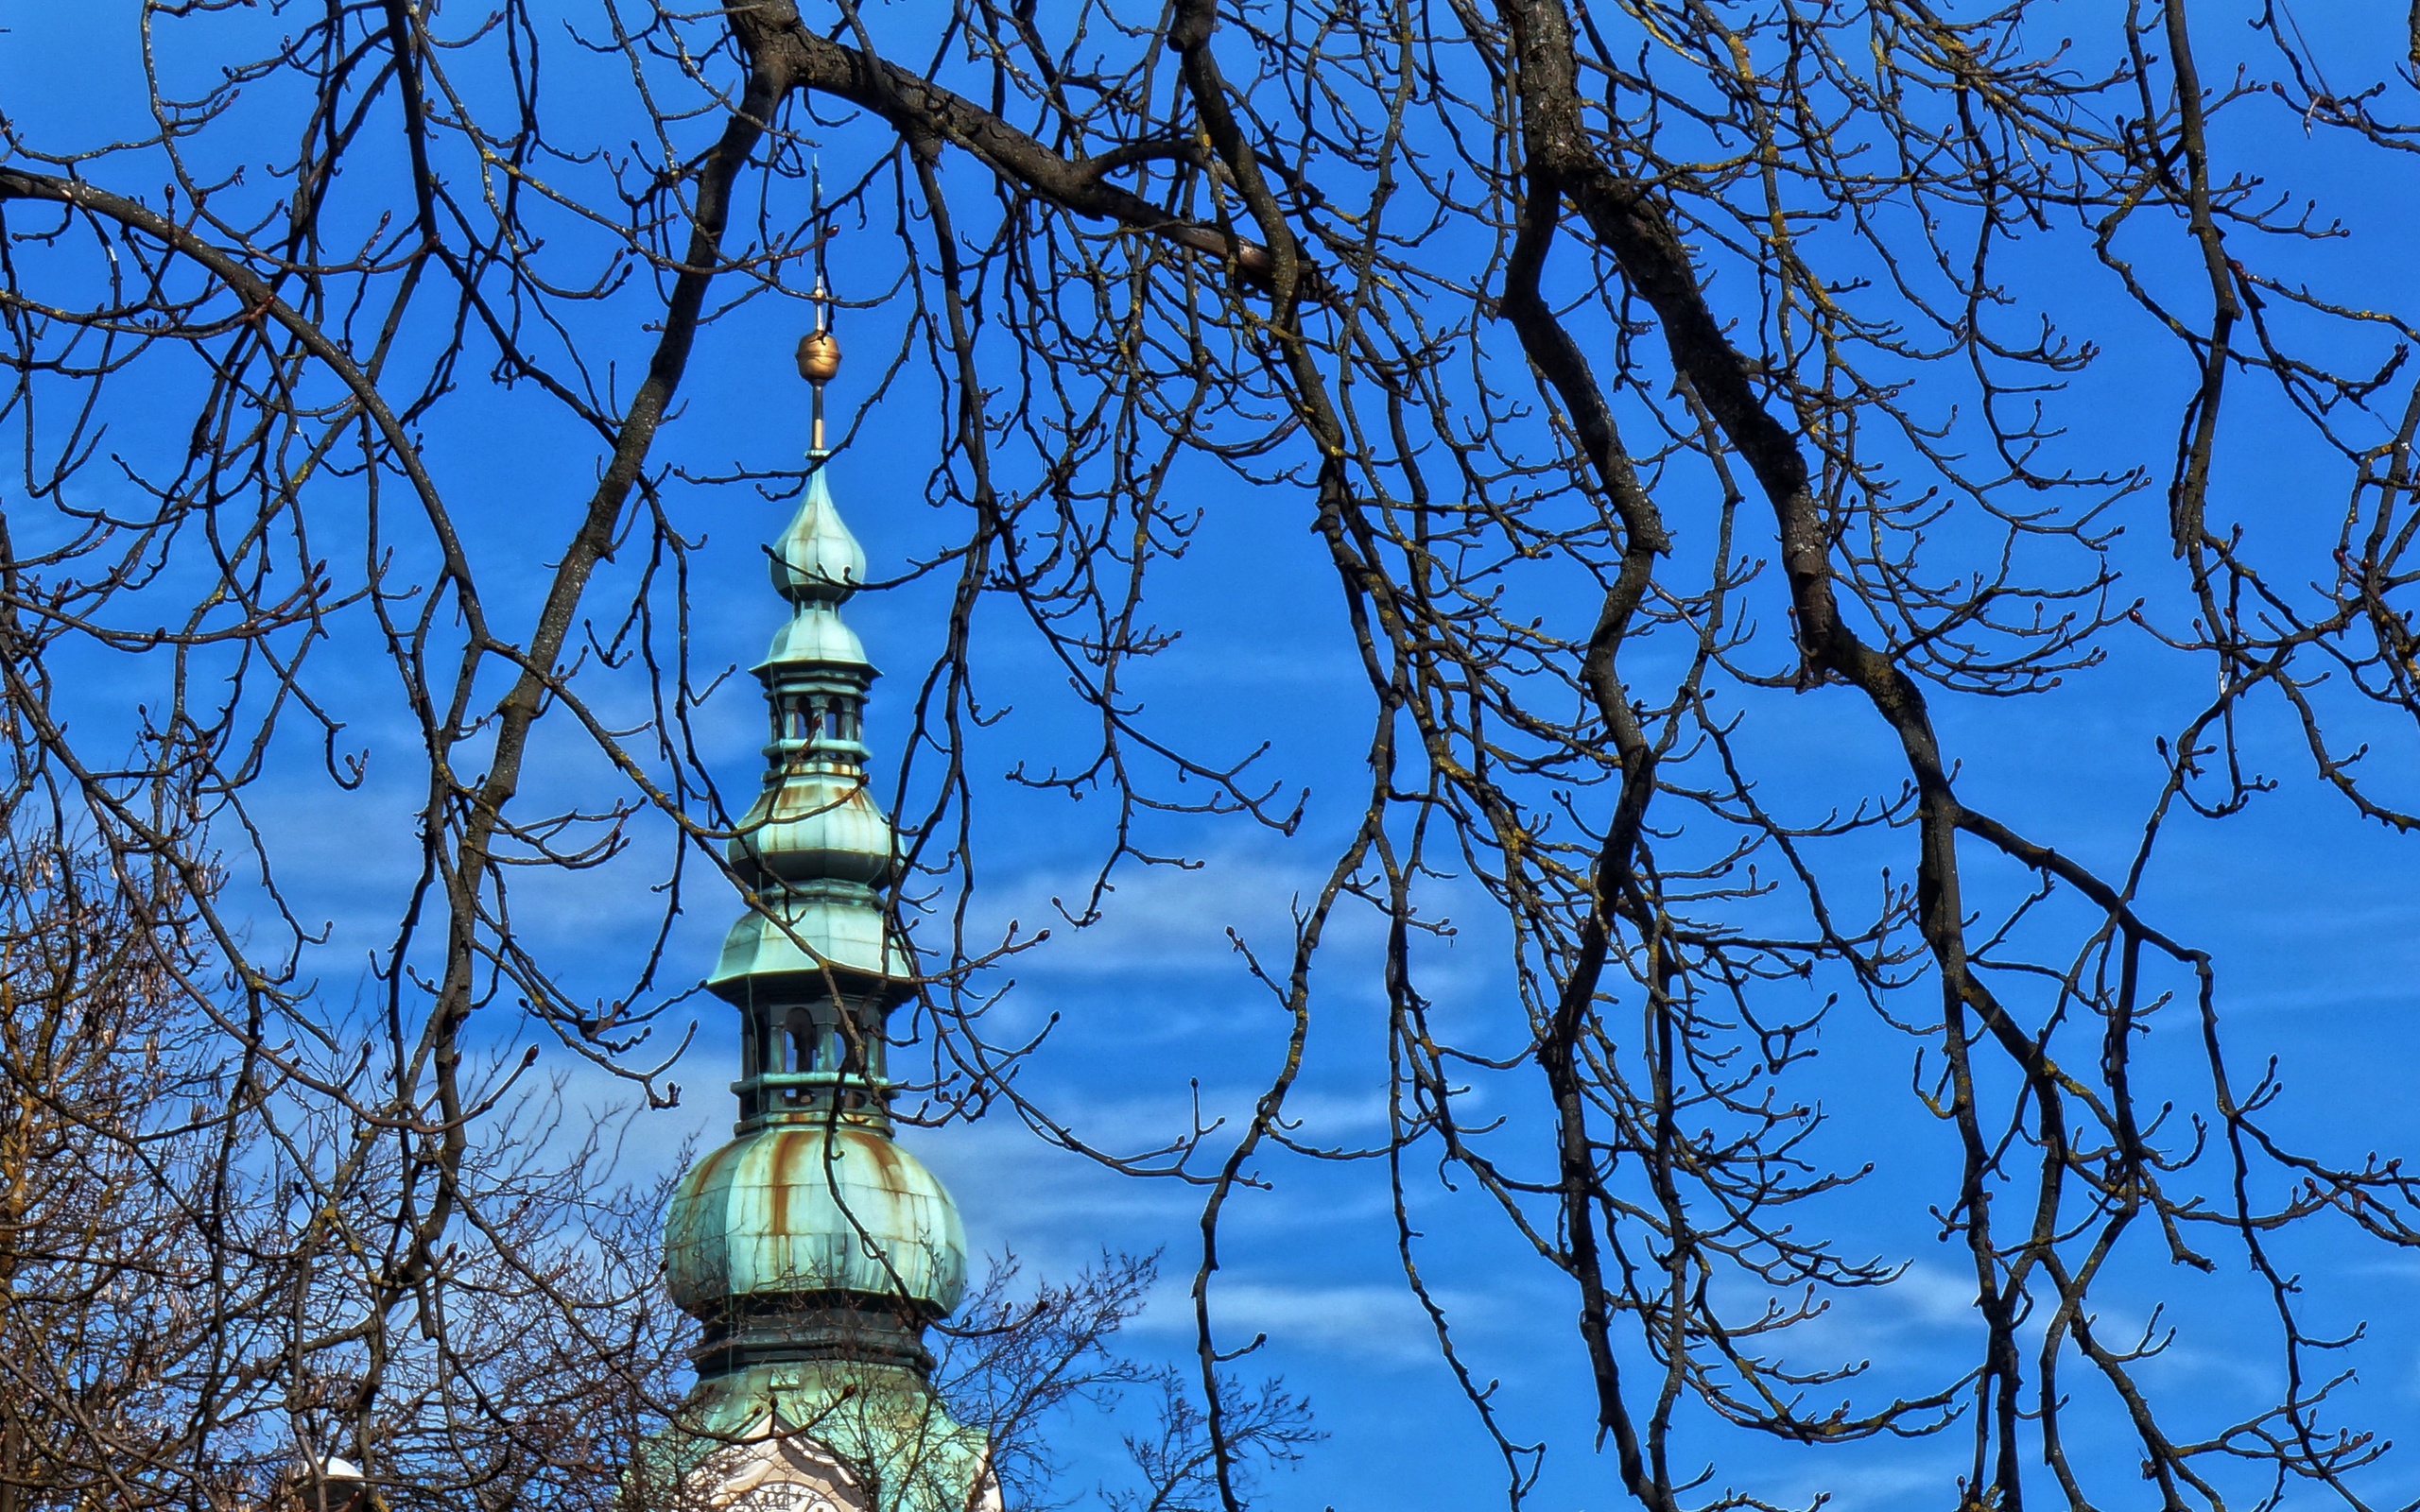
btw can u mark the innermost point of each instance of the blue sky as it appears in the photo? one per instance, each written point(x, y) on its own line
point(2311, 913)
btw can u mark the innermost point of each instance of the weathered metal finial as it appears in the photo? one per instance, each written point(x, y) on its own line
point(819, 357)
point(819, 351)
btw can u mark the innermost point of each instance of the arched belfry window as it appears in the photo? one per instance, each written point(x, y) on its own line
point(812, 717)
point(802, 717)
point(804, 1042)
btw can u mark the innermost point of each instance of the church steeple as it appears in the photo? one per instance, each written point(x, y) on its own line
point(812, 1248)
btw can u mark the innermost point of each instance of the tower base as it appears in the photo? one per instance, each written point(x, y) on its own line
point(813, 1436)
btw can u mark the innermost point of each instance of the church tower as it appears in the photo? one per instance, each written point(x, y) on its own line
point(813, 1248)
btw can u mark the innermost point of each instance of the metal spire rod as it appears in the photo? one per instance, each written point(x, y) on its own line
point(819, 351)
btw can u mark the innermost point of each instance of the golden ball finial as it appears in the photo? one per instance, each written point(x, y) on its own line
point(818, 356)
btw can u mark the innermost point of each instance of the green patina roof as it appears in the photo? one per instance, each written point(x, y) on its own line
point(815, 640)
point(802, 1209)
point(817, 557)
point(811, 925)
point(882, 1423)
point(817, 823)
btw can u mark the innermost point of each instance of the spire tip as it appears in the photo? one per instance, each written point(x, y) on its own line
point(819, 351)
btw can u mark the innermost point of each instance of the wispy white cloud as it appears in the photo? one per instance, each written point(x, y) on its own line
point(1374, 1322)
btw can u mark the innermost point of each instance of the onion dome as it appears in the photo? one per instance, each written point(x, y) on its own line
point(817, 557)
point(790, 1211)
